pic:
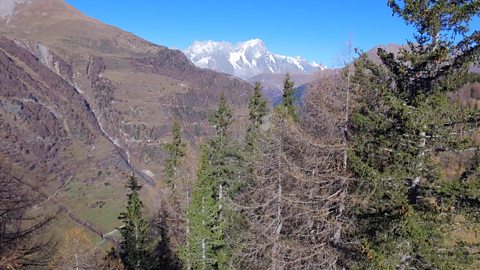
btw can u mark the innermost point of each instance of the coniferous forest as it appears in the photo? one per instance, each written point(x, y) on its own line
point(357, 174)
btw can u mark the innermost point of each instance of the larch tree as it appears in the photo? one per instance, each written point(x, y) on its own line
point(402, 123)
point(76, 252)
point(23, 242)
point(294, 202)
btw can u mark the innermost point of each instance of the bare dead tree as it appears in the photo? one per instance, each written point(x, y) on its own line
point(76, 252)
point(294, 204)
point(175, 222)
point(22, 244)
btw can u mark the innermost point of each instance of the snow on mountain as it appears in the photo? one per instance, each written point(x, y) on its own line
point(246, 59)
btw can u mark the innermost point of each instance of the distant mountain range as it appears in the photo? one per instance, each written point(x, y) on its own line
point(253, 62)
point(246, 59)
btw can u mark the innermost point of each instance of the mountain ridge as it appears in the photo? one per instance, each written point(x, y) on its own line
point(103, 99)
point(246, 59)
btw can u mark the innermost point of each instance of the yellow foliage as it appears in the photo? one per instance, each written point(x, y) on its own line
point(75, 252)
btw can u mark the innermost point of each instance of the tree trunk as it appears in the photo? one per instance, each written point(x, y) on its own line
point(220, 200)
point(204, 255)
point(189, 263)
point(276, 252)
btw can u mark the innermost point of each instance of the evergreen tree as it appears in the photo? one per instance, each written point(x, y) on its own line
point(403, 120)
point(207, 246)
point(222, 118)
point(289, 97)
point(175, 152)
point(258, 109)
point(136, 244)
point(204, 239)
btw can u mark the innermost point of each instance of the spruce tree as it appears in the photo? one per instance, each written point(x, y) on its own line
point(136, 245)
point(207, 246)
point(258, 109)
point(289, 97)
point(404, 120)
point(175, 152)
point(204, 239)
point(222, 118)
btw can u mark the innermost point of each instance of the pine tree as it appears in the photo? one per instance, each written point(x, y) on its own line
point(403, 120)
point(207, 246)
point(258, 109)
point(289, 97)
point(175, 152)
point(136, 244)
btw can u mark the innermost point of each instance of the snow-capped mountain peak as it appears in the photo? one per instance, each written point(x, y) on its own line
point(253, 43)
point(203, 47)
point(246, 59)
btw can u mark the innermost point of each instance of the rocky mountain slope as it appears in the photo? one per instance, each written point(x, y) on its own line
point(84, 104)
point(246, 59)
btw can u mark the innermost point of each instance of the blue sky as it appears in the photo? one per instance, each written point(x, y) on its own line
point(314, 29)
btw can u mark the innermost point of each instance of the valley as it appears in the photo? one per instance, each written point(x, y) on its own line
point(109, 114)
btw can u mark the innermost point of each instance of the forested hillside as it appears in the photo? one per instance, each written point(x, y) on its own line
point(378, 166)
